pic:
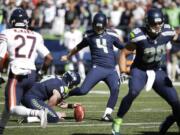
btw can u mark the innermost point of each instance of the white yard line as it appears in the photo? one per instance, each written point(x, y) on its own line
point(60, 124)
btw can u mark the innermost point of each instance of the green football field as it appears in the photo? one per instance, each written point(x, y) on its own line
point(144, 117)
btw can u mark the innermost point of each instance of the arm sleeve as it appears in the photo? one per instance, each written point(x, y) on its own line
point(3, 45)
point(117, 43)
point(82, 44)
point(42, 49)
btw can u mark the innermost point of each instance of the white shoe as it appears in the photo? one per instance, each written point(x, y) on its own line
point(43, 117)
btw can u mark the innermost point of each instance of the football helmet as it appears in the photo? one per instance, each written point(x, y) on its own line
point(99, 23)
point(19, 18)
point(71, 78)
point(154, 21)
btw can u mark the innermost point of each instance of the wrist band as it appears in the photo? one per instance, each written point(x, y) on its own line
point(70, 106)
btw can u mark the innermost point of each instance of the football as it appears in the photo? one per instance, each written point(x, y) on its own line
point(79, 113)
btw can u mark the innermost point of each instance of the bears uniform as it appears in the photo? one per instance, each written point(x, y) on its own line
point(100, 42)
point(150, 45)
point(22, 46)
point(35, 98)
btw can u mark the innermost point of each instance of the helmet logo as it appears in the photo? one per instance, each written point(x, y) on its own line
point(99, 24)
point(157, 20)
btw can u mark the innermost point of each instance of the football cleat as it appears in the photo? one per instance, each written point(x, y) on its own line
point(116, 126)
point(43, 117)
point(107, 118)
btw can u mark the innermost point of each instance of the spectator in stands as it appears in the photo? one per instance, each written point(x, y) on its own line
point(127, 16)
point(37, 19)
point(71, 13)
point(49, 14)
point(73, 37)
point(175, 55)
point(3, 17)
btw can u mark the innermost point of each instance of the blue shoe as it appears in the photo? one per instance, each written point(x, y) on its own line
point(116, 126)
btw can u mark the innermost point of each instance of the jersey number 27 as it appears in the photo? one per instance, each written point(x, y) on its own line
point(24, 41)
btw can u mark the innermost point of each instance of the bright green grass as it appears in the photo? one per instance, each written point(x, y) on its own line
point(143, 118)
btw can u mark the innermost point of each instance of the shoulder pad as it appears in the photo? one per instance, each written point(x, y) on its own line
point(136, 35)
point(136, 30)
point(167, 26)
point(168, 30)
point(88, 33)
point(112, 32)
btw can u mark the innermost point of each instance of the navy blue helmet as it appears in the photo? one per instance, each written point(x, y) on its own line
point(99, 23)
point(19, 18)
point(71, 78)
point(154, 21)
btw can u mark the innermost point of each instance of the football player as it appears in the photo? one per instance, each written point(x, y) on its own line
point(150, 45)
point(54, 89)
point(100, 41)
point(22, 46)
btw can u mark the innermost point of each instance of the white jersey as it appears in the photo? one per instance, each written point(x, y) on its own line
point(23, 47)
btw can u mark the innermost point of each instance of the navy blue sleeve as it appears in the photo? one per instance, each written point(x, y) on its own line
point(82, 44)
point(117, 43)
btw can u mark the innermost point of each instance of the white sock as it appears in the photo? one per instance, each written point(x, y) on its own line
point(24, 111)
point(32, 119)
point(108, 111)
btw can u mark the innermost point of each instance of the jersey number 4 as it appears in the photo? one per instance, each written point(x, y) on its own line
point(24, 41)
point(102, 43)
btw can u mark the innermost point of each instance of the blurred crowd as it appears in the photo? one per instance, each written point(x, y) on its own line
point(68, 19)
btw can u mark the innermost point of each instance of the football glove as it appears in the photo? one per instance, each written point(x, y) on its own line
point(123, 77)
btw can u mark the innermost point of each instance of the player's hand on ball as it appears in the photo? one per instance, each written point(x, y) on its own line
point(76, 104)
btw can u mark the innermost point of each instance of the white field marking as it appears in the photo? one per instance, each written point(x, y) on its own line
point(147, 127)
point(60, 124)
point(99, 92)
point(130, 111)
point(176, 83)
point(135, 111)
point(90, 104)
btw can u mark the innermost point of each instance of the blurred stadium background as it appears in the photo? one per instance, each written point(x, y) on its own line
point(63, 22)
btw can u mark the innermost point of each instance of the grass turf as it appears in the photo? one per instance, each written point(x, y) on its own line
point(143, 118)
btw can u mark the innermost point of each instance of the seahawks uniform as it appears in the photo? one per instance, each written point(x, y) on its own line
point(149, 53)
point(40, 92)
point(103, 63)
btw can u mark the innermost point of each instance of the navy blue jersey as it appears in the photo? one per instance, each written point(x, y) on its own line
point(149, 52)
point(101, 47)
point(44, 89)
